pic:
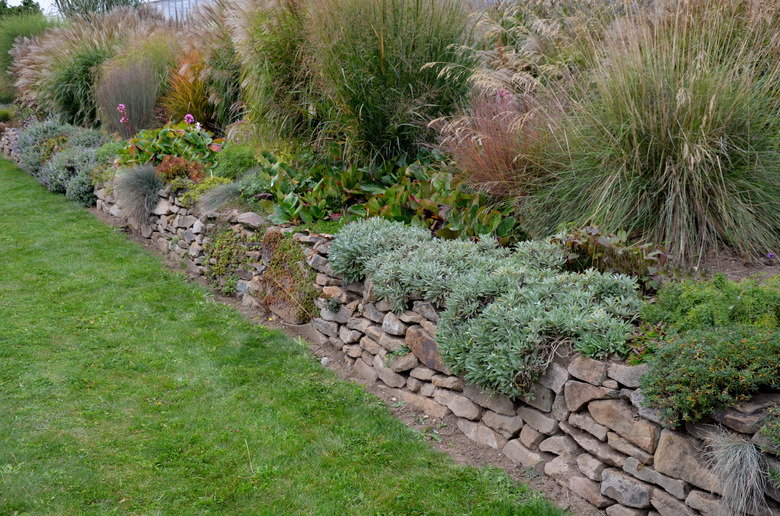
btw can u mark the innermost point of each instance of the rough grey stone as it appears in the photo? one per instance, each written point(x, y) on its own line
point(448, 382)
point(618, 415)
point(625, 489)
point(163, 208)
point(426, 310)
point(320, 264)
point(413, 384)
point(677, 456)
point(326, 281)
point(481, 434)
point(506, 425)
point(393, 325)
point(537, 420)
point(252, 220)
point(590, 466)
point(541, 397)
point(519, 454)
point(460, 405)
point(372, 347)
point(342, 315)
point(366, 371)
point(410, 317)
point(530, 437)
point(620, 510)
point(391, 344)
point(359, 324)
point(579, 394)
point(370, 312)
point(706, 503)
point(588, 370)
point(559, 409)
point(386, 375)
point(590, 491)
point(349, 336)
point(422, 373)
point(497, 402)
point(559, 445)
point(328, 328)
point(626, 374)
point(667, 505)
point(583, 421)
point(403, 363)
point(427, 405)
point(560, 468)
point(673, 486)
point(738, 421)
point(383, 305)
point(428, 389)
point(374, 332)
point(554, 377)
point(602, 451)
point(637, 400)
point(352, 350)
point(629, 449)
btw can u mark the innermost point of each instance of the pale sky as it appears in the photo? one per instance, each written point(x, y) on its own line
point(46, 5)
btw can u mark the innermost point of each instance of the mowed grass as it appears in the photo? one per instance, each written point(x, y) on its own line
point(125, 389)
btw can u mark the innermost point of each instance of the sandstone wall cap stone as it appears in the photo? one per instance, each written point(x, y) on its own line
point(496, 402)
point(460, 405)
point(618, 415)
point(481, 434)
point(588, 370)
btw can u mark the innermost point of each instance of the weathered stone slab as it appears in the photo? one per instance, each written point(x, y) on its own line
point(391, 378)
point(677, 456)
point(706, 503)
point(554, 377)
point(252, 220)
point(579, 394)
point(498, 403)
point(393, 325)
point(505, 425)
point(667, 505)
point(452, 383)
point(561, 468)
point(342, 315)
point(629, 449)
point(537, 420)
point(403, 363)
point(481, 434)
point(358, 323)
point(626, 374)
point(370, 312)
point(560, 444)
point(530, 437)
point(320, 264)
point(410, 317)
point(328, 328)
point(460, 405)
point(584, 421)
point(588, 370)
point(349, 336)
point(637, 400)
point(590, 466)
point(427, 405)
point(541, 397)
point(620, 510)
point(422, 373)
point(521, 455)
point(618, 415)
point(366, 371)
point(673, 486)
point(391, 344)
point(425, 349)
point(372, 347)
point(602, 451)
point(590, 491)
point(738, 421)
point(427, 310)
point(625, 489)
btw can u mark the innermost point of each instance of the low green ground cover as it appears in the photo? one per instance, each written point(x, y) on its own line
point(125, 389)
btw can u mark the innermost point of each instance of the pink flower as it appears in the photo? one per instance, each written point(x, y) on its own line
point(121, 108)
point(188, 118)
point(123, 120)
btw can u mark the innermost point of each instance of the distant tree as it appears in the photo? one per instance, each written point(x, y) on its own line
point(70, 8)
point(27, 7)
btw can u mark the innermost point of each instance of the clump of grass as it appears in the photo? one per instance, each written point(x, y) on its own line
point(133, 85)
point(136, 192)
point(187, 93)
point(741, 468)
point(672, 133)
point(375, 58)
point(215, 199)
point(11, 28)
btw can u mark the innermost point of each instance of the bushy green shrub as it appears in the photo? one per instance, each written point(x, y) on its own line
point(507, 310)
point(697, 372)
point(180, 140)
point(137, 191)
point(6, 115)
point(31, 145)
point(720, 303)
point(63, 166)
point(234, 160)
point(672, 132)
point(380, 61)
point(80, 188)
point(71, 86)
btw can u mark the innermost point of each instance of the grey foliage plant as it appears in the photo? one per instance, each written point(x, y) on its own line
point(507, 311)
point(136, 192)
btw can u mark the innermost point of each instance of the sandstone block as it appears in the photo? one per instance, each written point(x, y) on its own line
point(460, 405)
point(621, 510)
point(530, 437)
point(391, 344)
point(678, 456)
point(579, 394)
point(584, 421)
point(372, 347)
point(481, 434)
point(537, 420)
point(252, 220)
point(602, 451)
point(559, 409)
point(541, 397)
point(637, 400)
point(427, 405)
point(590, 466)
point(326, 281)
point(625, 489)
point(413, 384)
point(505, 425)
point(626, 374)
point(618, 415)
point(590, 491)
point(374, 332)
point(349, 336)
point(554, 377)
point(359, 324)
point(366, 371)
point(706, 503)
point(386, 375)
point(448, 382)
point(342, 315)
point(629, 449)
point(328, 328)
point(337, 293)
point(673, 486)
point(425, 348)
point(371, 313)
point(427, 310)
point(667, 505)
point(738, 421)
point(428, 389)
point(403, 363)
point(560, 445)
point(410, 317)
point(320, 264)
point(521, 455)
point(352, 350)
point(383, 305)
point(561, 468)
point(498, 403)
point(422, 373)
point(393, 325)
point(588, 370)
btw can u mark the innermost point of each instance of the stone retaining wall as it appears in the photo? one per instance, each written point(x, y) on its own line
point(584, 427)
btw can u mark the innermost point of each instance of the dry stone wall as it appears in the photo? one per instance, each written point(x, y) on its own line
point(584, 426)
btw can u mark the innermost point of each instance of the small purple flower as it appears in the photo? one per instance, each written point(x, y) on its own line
point(770, 255)
point(121, 108)
point(189, 119)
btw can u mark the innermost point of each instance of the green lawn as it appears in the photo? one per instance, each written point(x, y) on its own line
point(125, 389)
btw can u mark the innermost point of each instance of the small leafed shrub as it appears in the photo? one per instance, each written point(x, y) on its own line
point(136, 191)
point(234, 160)
point(720, 303)
point(33, 144)
point(58, 172)
point(697, 372)
point(173, 167)
point(80, 188)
